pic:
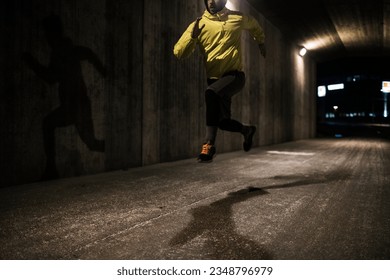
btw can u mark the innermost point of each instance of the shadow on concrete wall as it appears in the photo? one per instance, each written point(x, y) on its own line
point(65, 69)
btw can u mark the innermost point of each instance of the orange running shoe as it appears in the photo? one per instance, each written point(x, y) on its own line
point(207, 153)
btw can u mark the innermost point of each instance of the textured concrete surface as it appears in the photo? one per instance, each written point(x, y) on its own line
point(311, 199)
point(150, 107)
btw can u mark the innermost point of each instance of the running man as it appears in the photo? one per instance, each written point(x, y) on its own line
point(218, 35)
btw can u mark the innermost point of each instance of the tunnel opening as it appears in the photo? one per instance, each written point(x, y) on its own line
point(353, 97)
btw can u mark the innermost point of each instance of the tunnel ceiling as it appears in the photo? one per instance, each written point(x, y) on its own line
point(332, 29)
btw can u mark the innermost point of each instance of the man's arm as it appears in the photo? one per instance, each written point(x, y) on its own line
point(187, 42)
point(256, 31)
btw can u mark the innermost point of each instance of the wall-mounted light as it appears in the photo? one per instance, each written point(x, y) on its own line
point(302, 51)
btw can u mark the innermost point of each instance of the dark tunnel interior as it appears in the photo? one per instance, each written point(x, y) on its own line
point(93, 86)
point(357, 104)
point(349, 41)
point(112, 113)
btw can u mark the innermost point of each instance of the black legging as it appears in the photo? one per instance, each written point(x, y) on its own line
point(218, 103)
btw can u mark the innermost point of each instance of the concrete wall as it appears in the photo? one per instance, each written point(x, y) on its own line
point(149, 108)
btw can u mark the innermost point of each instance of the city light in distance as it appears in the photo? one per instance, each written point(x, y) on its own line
point(321, 91)
point(335, 86)
point(385, 86)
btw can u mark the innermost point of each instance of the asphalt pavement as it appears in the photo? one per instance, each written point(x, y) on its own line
point(311, 199)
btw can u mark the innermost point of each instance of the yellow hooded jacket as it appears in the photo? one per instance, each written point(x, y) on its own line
point(219, 41)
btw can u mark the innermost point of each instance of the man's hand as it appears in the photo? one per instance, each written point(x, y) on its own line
point(196, 31)
point(262, 50)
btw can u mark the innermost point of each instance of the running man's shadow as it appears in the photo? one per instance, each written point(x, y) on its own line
point(216, 223)
point(75, 106)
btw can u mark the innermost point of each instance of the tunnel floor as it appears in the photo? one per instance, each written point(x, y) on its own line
point(311, 199)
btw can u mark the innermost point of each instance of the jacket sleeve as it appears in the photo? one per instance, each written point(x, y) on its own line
point(186, 44)
point(254, 28)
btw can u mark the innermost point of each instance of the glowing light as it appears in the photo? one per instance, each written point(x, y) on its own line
point(319, 43)
point(291, 153)
point(347, 34)
point(385, 89)
point(303, 51)
point(335, 107)
point(321, 91)
point(385, 86)
point(232, 5)
point(336, 87)
point(299, 71)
